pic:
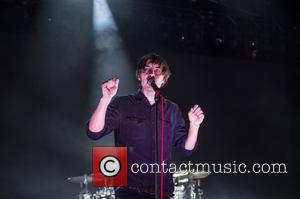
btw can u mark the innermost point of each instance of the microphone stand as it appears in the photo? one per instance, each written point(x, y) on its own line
point(156, 141)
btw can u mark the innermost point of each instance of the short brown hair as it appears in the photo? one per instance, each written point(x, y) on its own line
point(156, 59)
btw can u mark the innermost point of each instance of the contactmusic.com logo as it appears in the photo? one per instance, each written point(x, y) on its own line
point(109, 166)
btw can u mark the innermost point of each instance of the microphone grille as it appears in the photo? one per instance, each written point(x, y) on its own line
point(150, 80)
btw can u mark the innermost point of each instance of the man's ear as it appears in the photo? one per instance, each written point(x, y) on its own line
point(137, 76)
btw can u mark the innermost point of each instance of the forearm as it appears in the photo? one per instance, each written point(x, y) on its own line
point(97, 121)
point(191, 139)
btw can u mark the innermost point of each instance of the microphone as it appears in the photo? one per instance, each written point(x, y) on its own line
point(151, 82)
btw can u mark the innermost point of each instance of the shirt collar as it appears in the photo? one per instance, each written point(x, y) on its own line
point(139, 95)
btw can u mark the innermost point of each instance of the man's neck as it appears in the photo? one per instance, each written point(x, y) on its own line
point(149, 95)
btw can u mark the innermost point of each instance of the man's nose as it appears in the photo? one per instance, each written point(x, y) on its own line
point(151, 72)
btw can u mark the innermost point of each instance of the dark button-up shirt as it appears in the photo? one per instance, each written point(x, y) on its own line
point(132, 118)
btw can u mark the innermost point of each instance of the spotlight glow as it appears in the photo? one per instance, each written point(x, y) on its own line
point(110, 58)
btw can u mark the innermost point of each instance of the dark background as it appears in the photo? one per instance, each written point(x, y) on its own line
point(48, 59)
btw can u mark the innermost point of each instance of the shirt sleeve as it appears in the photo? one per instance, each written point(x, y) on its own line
point(180, 134)
point(112, 119)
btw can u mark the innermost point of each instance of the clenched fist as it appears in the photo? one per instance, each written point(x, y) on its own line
point(110, 88)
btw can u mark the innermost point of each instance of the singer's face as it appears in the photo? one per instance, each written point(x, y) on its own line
point(151, 70)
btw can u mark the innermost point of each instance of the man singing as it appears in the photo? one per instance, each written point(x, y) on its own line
point(133, 119)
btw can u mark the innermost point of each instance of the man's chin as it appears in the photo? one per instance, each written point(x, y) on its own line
point(148, 89)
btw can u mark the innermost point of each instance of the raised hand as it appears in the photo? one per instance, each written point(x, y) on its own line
point(196, 115)
point(110, 88)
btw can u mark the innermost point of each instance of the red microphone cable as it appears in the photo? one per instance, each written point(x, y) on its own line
point(162, 148)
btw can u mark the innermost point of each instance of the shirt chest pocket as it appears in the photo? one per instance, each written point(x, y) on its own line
point(132, 120)
point(134, 129)
point(167, 123)
point(133, 125)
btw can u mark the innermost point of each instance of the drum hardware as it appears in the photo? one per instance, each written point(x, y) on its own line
point(187, 185)
point(105, 192)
